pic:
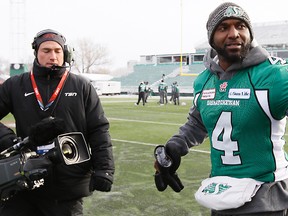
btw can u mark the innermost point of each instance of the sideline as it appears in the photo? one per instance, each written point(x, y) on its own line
point(151, 144)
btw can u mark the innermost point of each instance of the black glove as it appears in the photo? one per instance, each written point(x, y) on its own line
point(166, 164)
point(7, 142)
point(7, 137)
point(100, 184)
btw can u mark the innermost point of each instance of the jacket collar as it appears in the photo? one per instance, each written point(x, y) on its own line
point(41, 71)
point(255, 56)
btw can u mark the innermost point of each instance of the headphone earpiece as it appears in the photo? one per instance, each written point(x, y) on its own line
point(68, 54)
point(34, 43)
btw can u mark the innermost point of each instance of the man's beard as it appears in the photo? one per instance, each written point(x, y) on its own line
point(233, 57)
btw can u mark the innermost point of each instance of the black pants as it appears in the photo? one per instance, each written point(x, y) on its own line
point(176, 100)
point(141, 96)
point(163, 97)
point(24, 205)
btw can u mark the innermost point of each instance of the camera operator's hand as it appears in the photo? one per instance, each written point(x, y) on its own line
point(100, 184)
point(7, 142)
point(7, 137)
point(166, 164)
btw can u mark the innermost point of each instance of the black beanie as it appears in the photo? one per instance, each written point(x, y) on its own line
point(48, 35)
point(227, 10)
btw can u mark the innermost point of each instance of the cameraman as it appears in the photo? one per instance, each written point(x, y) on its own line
point(49, 89)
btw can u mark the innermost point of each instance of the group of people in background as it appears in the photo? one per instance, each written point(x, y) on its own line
point(144, 91)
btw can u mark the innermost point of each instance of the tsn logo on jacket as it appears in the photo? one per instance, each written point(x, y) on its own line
point(70, 94)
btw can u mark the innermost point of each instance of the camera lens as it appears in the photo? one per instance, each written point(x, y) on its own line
point(69, 150)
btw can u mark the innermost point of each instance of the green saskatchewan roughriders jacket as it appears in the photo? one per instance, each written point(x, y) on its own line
point(243, 112)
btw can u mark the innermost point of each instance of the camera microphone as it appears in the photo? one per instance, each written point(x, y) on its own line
point(45, 131)
point(57, 67)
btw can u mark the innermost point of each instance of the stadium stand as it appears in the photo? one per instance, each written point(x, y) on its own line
point(273, 36)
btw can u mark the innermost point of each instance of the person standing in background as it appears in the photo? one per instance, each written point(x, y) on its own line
point(148, 91)
point(176, 94)
point(172, 93)
point(141, 93)
point(162, 89)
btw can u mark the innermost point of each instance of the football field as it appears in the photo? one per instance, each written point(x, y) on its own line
point(135, 131)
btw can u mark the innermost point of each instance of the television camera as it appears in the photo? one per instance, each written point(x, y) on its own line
point(25, 169)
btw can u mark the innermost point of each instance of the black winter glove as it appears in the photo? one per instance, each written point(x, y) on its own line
point(7, 137)
point(166, 164)
point(100, 184)
point(7, 142)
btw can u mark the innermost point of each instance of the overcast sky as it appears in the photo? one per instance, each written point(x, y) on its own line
point(128, 28)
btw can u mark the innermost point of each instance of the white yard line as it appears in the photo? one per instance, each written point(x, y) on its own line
point(151, 144)
point(141, 121)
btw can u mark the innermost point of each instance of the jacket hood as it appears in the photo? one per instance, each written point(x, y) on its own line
point(255, 56)
point(39, 70)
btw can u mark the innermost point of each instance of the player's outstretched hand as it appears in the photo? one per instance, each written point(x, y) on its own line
point(166, 164)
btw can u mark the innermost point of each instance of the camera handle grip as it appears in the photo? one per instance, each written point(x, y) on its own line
point(16, 146)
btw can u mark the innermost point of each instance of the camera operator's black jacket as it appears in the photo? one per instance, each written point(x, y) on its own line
point(79, 106)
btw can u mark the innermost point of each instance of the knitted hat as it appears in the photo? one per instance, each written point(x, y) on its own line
point(48, 35)
point(227, 10)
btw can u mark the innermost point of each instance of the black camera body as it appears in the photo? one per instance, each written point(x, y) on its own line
point(23, 169)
